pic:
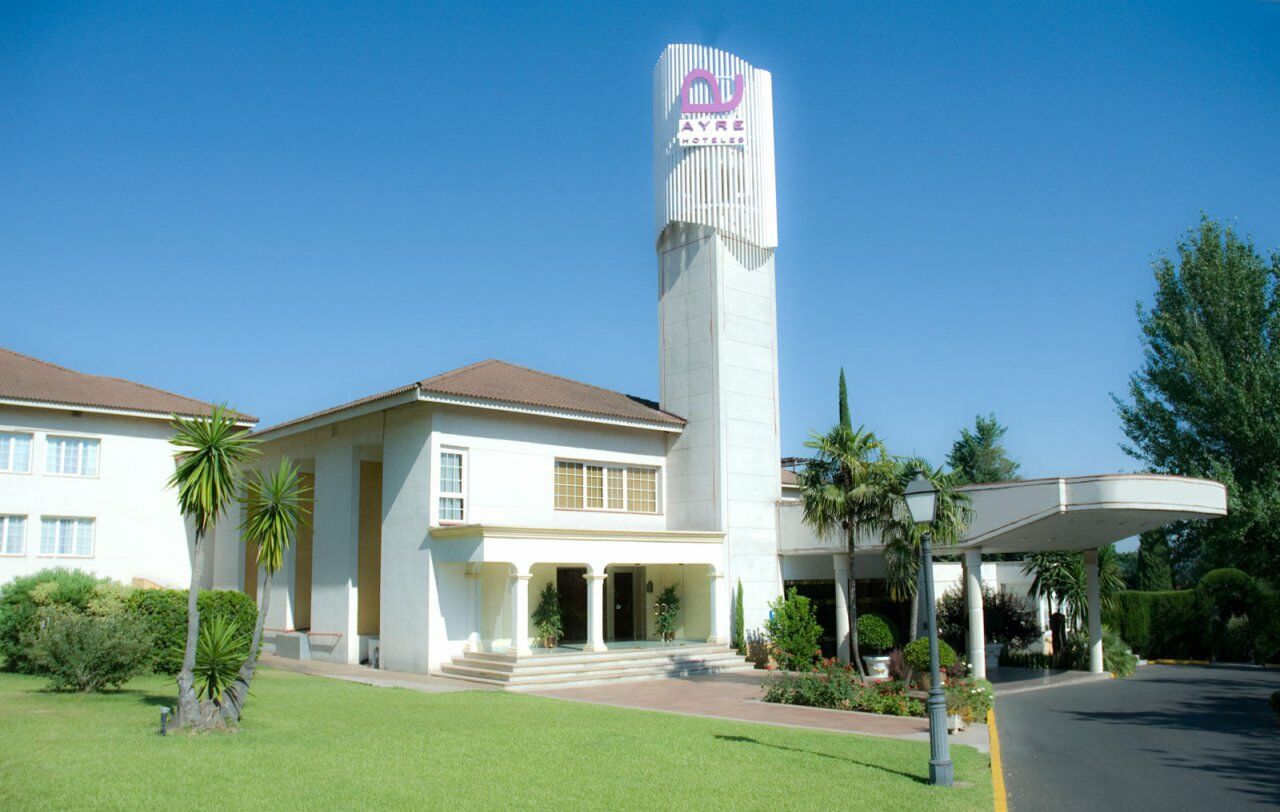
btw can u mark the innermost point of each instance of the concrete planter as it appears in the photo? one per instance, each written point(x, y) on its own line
point(955, 723)
point(993, 654)
point(877, 667)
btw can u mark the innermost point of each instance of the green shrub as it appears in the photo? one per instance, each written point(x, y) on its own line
point(916, 654)
point(1236, 645)
point(667, 613)
point(85, 652)
point(1266, 628)
point(1025, 659)
point(221, 649)
point(875, 634)
point(1117, 658)
point(1228, 592)
point(164, 611)
point(838, 686)
point(793, 631)
point(23, 599)
point(739, 622)
point(547, 623)
point(1006, 619)
point(1275, 702)
point(1172, 624)
point(971, 698)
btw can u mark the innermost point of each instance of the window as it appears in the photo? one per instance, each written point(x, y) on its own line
point(452, 500)
point(73, 456)
point(66, 537)
point(13, 535)
point(592, 486)
point(15, 452)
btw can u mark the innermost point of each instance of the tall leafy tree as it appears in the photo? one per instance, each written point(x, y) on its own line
point(848, 488)
point(845, 419)
point(1154, 569)
point(1206, 400)
point(211, 451)
point(979, 455)
point(273, 504)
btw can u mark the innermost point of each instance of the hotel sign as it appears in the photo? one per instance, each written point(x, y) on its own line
point(716, 122)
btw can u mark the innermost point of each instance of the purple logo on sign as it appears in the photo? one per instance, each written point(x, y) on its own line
point(716, 105)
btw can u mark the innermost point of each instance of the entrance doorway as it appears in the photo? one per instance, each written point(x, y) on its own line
point(571, 584)
point(624, 605)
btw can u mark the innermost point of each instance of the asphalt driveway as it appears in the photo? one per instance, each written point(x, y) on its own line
point(1169, 737)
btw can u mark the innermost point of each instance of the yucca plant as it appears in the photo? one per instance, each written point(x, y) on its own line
point(219, 653)
point(273, 504)
point(211, 451)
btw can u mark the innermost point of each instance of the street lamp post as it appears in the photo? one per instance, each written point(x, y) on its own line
point(922, 502)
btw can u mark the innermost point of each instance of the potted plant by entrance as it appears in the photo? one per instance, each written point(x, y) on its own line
point(876, 638)
point(547, 624)
point(667, 614)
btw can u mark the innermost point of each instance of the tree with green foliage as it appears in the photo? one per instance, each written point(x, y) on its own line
point(979, 455)
point(846, 419)
point(902, 537)
point(273, 509)
point(547, 620)
point(1205, 401)
point(211, 451)
point(793, 632)
point(739, 622)
point(1059, 577)
point(1154, 571)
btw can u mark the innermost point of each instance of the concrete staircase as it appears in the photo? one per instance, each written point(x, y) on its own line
point(566, 670)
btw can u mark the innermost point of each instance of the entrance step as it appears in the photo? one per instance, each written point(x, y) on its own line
point(555, 670)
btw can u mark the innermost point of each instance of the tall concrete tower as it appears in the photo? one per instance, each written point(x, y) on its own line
point(717, 229)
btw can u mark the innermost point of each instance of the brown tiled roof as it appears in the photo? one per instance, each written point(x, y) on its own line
point(501, 382)
point(25, 378)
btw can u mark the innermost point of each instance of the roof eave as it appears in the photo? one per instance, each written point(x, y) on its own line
point(447, 399)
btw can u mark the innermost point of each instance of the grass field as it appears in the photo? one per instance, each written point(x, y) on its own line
point(315, 743)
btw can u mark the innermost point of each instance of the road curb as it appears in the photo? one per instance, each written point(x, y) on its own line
point(997, 770)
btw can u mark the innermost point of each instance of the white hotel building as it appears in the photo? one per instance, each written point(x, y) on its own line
point(441, 508)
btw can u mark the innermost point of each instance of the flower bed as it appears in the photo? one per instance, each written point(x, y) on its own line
point(832, 684)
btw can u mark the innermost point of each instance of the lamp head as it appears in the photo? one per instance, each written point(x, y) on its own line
point(922, 499)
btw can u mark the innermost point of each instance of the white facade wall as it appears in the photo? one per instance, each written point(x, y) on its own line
point(138, 529)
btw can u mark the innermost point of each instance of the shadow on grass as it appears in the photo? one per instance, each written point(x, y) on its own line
point(748, 740)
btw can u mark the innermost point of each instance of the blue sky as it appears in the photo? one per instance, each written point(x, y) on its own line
point(289, 206)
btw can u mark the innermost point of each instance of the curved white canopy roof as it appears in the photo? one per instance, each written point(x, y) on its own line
point(1081, 513)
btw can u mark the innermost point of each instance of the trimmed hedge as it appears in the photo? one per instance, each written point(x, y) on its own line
point(164, 612)
point(1172, 624)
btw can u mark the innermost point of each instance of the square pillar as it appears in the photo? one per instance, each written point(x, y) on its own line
point(476, 596)
point(840, 564)
point(973, 602)
point(334, 563)
point(520, 614)
point(1094, 596)
point(719, 615)
point(595, 612)
point(405, 593)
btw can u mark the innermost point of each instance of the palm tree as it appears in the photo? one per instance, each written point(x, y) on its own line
point(1058, 576)
point(210, 452)
point(902, 536)
point(273, 509)
point(848, 488)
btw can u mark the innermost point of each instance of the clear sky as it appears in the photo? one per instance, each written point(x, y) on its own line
point(289, 206)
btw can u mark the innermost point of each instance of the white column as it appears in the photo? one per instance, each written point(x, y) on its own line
point(1094, 596)
point(334, 562)
point(840, 564)
point(520, 614)
point(476, 598)
point(719, 617)
point(973, 602)
point(595, 612)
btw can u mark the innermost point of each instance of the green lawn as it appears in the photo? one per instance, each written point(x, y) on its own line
point(315, 743)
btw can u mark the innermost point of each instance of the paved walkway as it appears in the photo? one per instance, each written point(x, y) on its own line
point(737, 696)
point(370, 676)
point(1169, 737)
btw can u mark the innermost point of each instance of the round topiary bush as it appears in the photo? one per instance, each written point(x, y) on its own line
point(875, 634)
point(1228, 592)
point(916, 654)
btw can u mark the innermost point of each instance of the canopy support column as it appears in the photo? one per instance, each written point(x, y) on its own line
point(973, 601)
point(840, 563)
point(1094, 597)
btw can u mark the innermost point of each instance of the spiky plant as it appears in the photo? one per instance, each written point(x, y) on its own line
point(211, 449)
point(273, 509)
point(219, 652)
